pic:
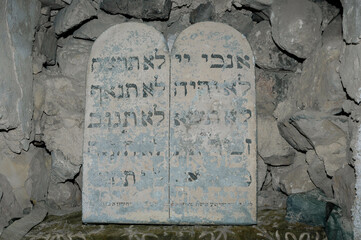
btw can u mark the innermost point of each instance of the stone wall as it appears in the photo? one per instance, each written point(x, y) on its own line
point(308, 96)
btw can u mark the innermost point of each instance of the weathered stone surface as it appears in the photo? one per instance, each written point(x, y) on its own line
point(309, 208)
point(261, 172)
point(38, 62)
point(255, 4)
point(44, 21)
point(271, 200)
point(354, 111)
point(15, 140)
point(9, 206)
point(266, 99)
point(267, 184)
point(212, 126)
point(267, 54)
point(316, 170)
point(338, 226)
point(45, 10)
point(178, 21)
point(38, 175)
point(79, 179)
point(161, 26)
point(350, 71)
point(181, 3)
point(126, 135)
point(61, 168)
point(333, 155)
point(293, 136)
point(330, 144)
point(294, 178)
point(285, 108)
point(38, 58)
point(319, 87)
point(63, 196)
point(273, 149)
point(59, 114)
point(73, 15)
point(53, 14)
point(146, 9)
point(222, 6)
point(73, 57)
point(38, 40)
point(204, 12)
point(343, 184)
point(271, 89)
point(241, 20)
point(53, 4)
point(17, 26)
point(296, 26)
point(92, 29)
point(49, 46)
point(329, 12)
point(351, 20)
point(17, 168)
point(333, 31)
point(19, 228)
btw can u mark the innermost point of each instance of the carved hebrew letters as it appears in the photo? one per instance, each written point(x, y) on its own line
point(213, 127)
point(170, 143)
point(126, 127)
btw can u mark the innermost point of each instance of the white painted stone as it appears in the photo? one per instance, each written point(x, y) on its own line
point(126, 127)
point(356, 209)
point(213, 127)
point(170, 149)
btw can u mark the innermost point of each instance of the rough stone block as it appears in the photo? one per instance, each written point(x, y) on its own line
point(73, 15)
point(296, 26)
point(350, 71)
point(92, 29)
point(351, 20)
point(309, 208)
point(18, 19)
point(267, 54)
point(147, 9)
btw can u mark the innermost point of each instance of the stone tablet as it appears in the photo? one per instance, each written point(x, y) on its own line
point(170, 144)
point(213, 127)
point(127, 127)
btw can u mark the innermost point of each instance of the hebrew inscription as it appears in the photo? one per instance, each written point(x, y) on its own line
point(127, 127)
point(213, 128)
point(170, 143)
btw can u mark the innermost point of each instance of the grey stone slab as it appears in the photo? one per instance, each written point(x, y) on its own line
point(126, 127)
point(73, 15)
point(212, 127)
point(18, 20)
